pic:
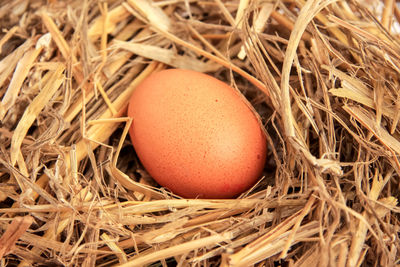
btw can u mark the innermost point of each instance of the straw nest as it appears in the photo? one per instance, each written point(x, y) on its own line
point(322, 75)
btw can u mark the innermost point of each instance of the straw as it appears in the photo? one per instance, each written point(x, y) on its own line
point(322, 78)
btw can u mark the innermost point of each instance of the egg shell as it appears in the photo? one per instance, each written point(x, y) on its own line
point(196, 135)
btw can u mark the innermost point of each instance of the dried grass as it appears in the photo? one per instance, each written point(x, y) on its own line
point(323, 76)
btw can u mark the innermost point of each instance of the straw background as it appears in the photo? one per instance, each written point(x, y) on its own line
point(323, 76)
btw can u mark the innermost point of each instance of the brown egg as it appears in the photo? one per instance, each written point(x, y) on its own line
point(195, 135)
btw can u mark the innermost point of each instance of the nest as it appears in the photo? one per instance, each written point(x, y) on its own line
point(322, 75)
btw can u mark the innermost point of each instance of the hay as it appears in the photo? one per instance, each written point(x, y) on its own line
point(323, 76)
